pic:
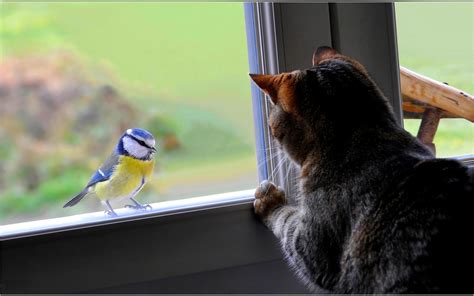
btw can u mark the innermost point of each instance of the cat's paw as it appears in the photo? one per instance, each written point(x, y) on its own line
point(268, 197)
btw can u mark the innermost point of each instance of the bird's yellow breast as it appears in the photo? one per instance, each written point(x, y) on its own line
point(126, 178)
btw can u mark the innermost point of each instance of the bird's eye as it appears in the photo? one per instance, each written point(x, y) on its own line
point(142, 143)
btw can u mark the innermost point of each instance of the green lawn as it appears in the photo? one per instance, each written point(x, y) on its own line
point(436, 39)
point(454, 137)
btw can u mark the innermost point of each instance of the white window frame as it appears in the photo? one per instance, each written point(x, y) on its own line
point(210, 244)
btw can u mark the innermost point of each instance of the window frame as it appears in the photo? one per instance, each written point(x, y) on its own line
point(211, 240)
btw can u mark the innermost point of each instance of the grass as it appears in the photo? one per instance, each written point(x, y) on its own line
point(454, 137)
point(436, 40)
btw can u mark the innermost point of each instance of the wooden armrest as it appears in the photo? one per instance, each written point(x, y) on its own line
point(420, 92)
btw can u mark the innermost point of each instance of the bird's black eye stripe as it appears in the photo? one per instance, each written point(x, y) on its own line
point(140, 142)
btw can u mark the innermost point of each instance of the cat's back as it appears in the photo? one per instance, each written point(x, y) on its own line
point(417, 237)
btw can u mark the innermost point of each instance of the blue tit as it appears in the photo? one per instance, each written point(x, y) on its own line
point(124, 173)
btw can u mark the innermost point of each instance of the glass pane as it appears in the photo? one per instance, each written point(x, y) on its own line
point(75, 76)
point(437, 40)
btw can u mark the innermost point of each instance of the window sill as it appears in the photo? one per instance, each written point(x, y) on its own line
point(39, 227)
point(33, 228)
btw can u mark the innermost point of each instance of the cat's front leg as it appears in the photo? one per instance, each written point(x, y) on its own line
point(285, 222)
point(272, 207)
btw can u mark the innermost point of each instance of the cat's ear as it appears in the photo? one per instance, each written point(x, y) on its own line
point(266, 83)
point(323, 53)
point(280, 88)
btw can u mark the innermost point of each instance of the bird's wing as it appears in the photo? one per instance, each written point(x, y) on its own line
point(105, 171)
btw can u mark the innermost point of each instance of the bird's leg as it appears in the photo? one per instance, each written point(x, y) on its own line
point(110, 211)
point(137, 205)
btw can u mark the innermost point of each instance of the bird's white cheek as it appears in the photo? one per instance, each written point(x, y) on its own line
point(134, 149)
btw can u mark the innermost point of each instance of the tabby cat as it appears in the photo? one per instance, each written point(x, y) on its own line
point(376, 212)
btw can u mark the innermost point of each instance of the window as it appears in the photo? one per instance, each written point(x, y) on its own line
point(75, 76)
point(436, 40)
point(187, 247)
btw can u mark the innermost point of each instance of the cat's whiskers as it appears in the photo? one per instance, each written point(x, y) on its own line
point(288, 168)
point(277, 168)
point(276, 153)
point(281, 158)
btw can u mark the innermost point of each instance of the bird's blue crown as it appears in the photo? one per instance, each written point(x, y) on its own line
point(139, 133)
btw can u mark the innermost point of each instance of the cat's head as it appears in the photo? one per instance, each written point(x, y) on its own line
point(322, 108)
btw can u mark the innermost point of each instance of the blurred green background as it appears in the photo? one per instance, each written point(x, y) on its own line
point(74, 76)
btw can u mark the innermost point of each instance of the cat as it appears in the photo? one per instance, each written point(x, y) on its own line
point(376, 212)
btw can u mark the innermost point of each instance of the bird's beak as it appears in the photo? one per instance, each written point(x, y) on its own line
point(153, 149)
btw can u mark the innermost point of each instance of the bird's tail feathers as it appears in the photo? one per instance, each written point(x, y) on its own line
point(76, 198)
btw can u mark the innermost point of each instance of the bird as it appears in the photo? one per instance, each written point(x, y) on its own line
point(124, 172)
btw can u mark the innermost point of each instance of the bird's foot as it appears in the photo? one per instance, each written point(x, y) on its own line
point(110, 213)
point(139, 207)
